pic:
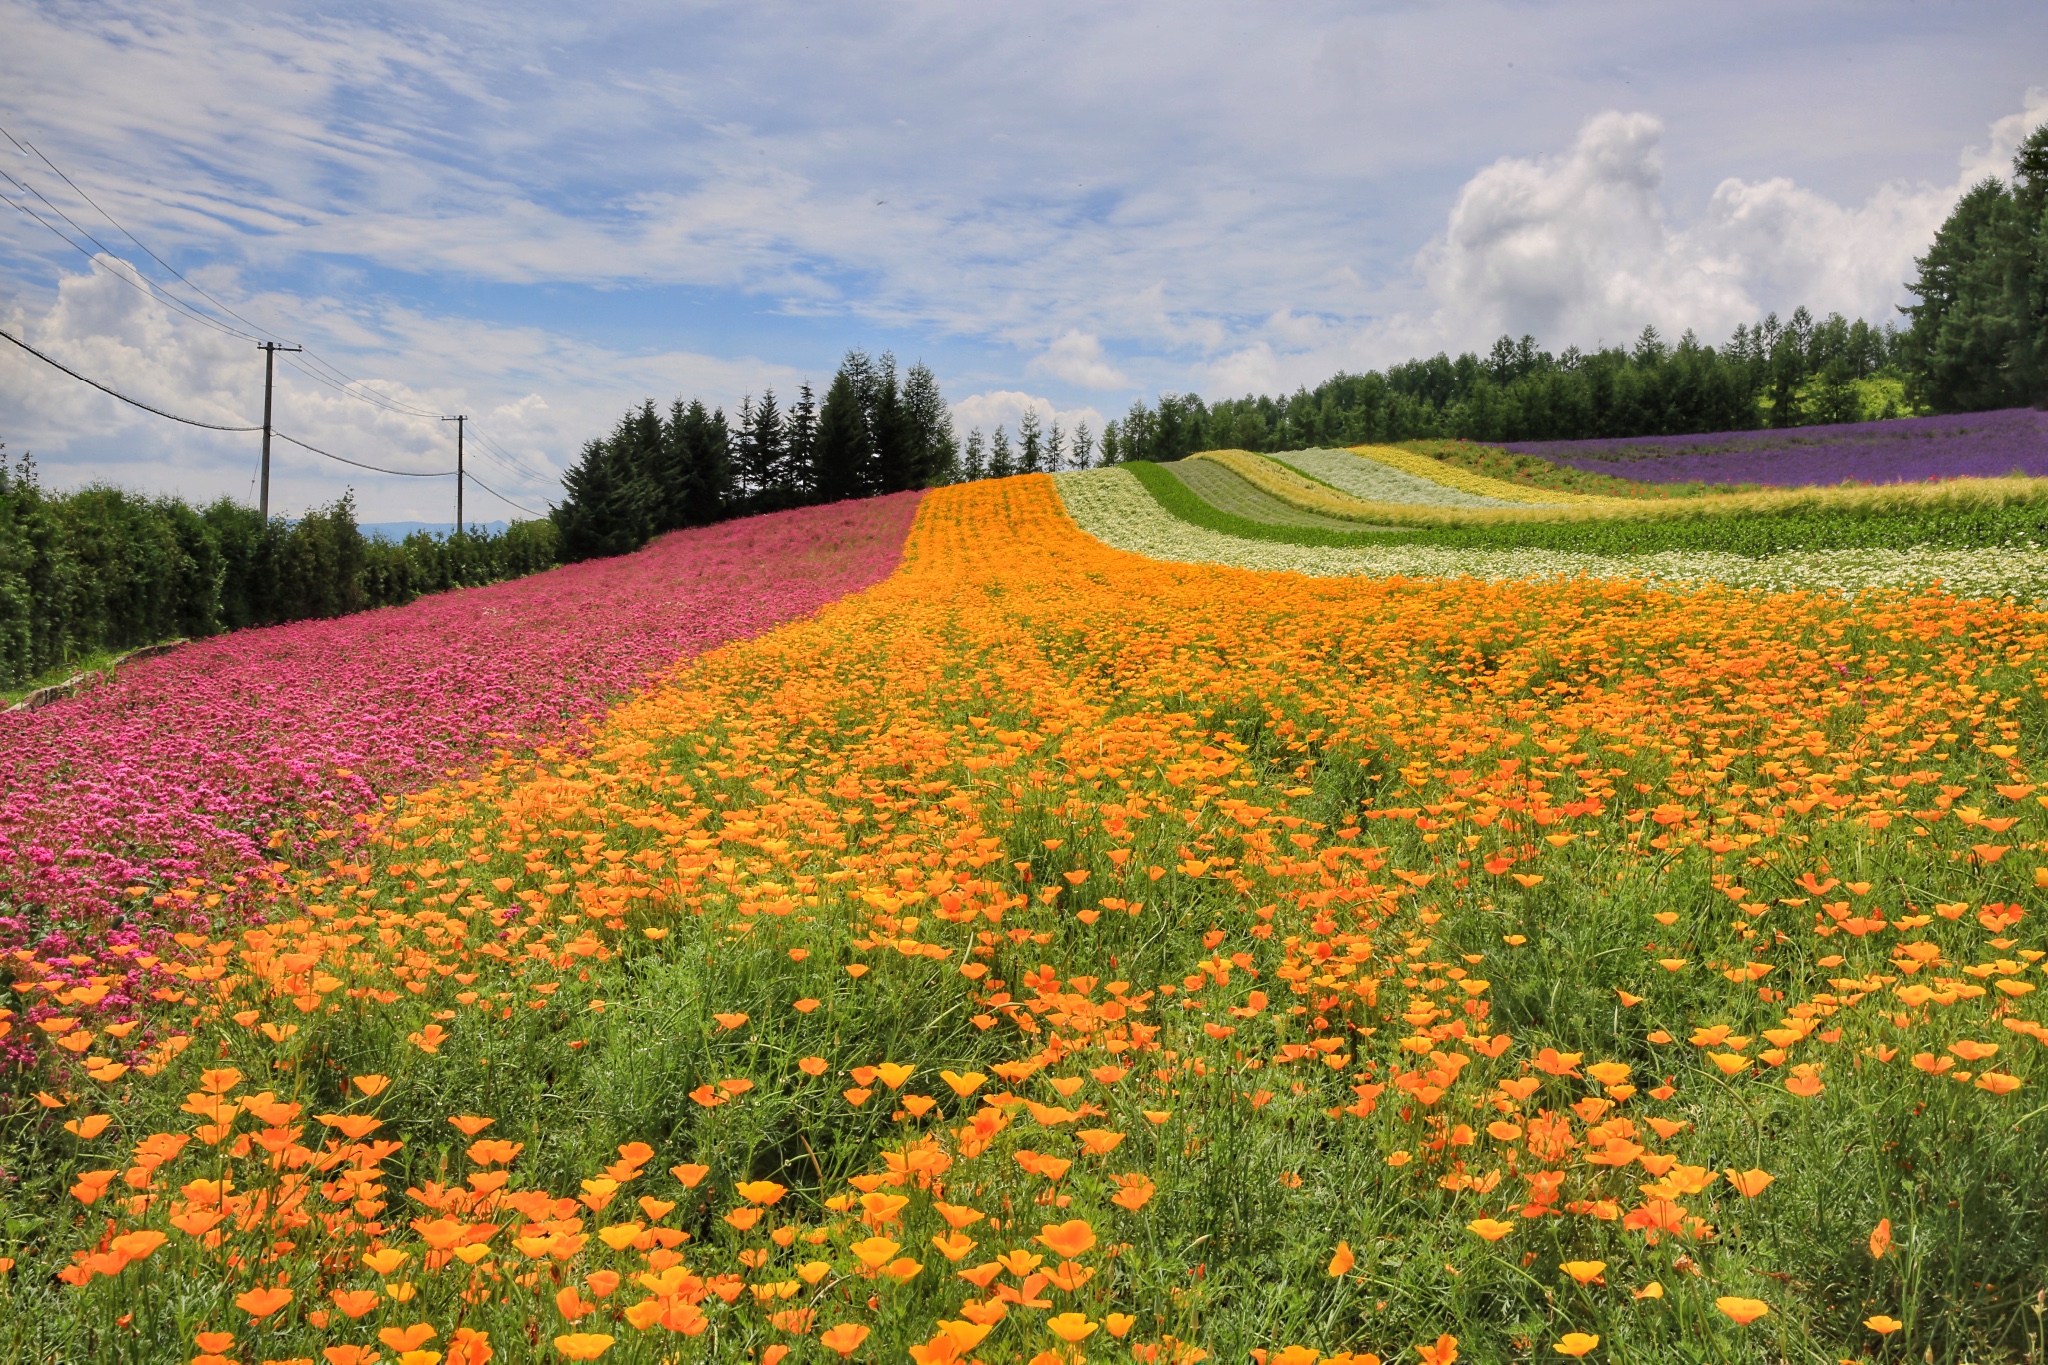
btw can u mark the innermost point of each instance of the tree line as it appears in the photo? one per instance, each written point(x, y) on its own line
point(875, 432)
point(103, 569)
point(1976, 339)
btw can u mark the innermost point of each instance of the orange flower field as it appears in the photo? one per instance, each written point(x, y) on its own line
point(1053, 955)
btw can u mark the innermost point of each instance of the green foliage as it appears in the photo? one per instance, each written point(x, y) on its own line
point(875, 433)
point(1979, 338)
point(102, 570)
point(1793, 373)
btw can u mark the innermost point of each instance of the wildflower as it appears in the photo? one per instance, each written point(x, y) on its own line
point(843, 1339)
point(1575, 1344)
point(1342, 1261)
point(1743, 1311)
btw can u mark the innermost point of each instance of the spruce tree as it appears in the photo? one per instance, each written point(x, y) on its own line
point(974, 460)
point(1001, 465)
point(929, 424)
point(1084, 446)
point(1055, 449)
point(800, 437)
point(1969, 320)
point(681, 482)
point(844, 448)
point(897, 458)
point(1030, 444)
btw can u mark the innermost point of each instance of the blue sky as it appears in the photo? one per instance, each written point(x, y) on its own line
point(538, 214)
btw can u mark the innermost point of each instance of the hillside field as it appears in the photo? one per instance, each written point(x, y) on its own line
point(1333, 906)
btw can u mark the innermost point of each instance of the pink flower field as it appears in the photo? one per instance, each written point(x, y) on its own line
point(148, 804)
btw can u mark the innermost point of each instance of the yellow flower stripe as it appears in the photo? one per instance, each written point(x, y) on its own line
point(1450, 476)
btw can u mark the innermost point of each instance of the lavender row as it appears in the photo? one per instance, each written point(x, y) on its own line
point(1906, 450)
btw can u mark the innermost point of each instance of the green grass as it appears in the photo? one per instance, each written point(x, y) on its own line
point(1533, 471)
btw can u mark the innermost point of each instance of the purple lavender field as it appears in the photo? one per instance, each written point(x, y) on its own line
point(1903, 450)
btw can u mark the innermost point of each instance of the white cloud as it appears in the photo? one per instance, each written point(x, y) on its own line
point(1077, 357)
point(1006, 407)
point(1579, 247)
point(104, 329)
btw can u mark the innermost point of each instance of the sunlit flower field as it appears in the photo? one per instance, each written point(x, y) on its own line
point(1051, 954)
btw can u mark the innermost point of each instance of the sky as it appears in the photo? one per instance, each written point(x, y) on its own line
point(538, 215)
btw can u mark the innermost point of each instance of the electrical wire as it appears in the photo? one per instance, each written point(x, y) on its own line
point(512, 463)
point(138, 281)
point(502, 498)
point(340, 381)
point(59, 171)
point(375, 469)
point(334, 378)
point(116, 393)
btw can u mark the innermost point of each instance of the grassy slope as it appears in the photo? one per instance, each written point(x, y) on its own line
point(1532, 471)
point(1846, 524)
point(1228, 492)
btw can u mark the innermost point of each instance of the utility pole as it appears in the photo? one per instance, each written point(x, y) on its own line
point(459, 420)
point(270, 350)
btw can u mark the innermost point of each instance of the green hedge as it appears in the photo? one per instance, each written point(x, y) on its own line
point(105, 569)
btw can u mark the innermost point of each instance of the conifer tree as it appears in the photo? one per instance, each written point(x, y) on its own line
point(844, 447)
point(929, 426)
point(1084, 446)
point(800, 435)
point(1001, 464)
point(1055, 449)
point(974, 460)
point(1030, 444)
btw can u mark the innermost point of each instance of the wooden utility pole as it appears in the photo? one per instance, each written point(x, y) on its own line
point(459, 421)
point(270, 350)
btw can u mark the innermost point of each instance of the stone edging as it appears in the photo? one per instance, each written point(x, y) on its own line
point(78, 682)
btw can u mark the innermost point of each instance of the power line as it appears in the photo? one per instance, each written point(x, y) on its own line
point(502, 498)
point(215, 426)
point(375, 469)
point(131, 236)
point(116, 393)
point(137, 282)
point(340, 381)
point(512, 462)
point(334, 378)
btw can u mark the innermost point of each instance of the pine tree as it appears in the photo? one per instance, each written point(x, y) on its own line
point(1112, 442)
point(2029, 362)
point(800, 438)
point(844, 448)
point(1084, 446)
point(974, 460)
point(1030, 444)
point(1055, 449)
point(762, 457)
point(1969, 320)
point(701, 443)
point(609, 504)
point(898, 459)
point(1000, 463)
point(679, 482)
point(929, 426)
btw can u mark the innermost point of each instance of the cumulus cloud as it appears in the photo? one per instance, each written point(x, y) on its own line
point(1006, 408)
point(1077, 357)
point(1579, 247)
point(534, 398)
